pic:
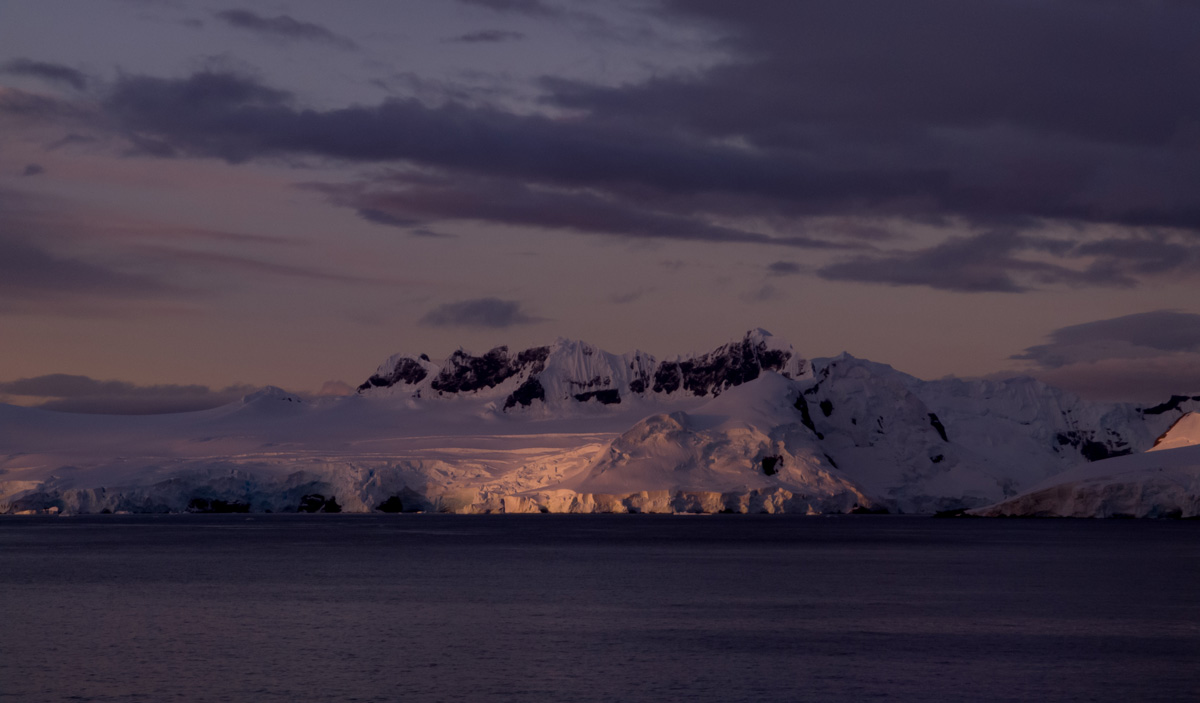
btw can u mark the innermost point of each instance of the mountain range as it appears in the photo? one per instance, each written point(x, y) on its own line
point(751, 426)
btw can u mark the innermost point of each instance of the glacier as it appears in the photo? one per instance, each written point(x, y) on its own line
point(751, 426)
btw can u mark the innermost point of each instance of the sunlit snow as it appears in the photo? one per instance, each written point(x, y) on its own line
point(749, 427)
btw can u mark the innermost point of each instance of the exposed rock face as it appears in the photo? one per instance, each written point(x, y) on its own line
point(609, 396)
point(1094, 445)
point(1176, 402)
point(574, 372)
point(317, 503)
point(406, 371)
point(464, 373)
point(525, 394)
point(731, 365)
point(216, 505)
point(937, 425)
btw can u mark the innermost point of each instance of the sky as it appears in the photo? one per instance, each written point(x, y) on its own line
point(198, 198)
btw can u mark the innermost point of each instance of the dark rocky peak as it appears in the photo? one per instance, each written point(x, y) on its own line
point(406, 371)
point(574, 371)
point(1179, 403)
point(464, 372)
point(730, 365)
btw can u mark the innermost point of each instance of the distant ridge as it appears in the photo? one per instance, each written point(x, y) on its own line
point(573, 371)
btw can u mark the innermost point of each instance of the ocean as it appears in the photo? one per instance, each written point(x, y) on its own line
point(597, 608)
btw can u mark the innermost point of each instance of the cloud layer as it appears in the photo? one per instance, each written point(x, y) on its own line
point(481, 312)
point(1136, 336)
point(993, 121)
point(46, 71)
point(82, 394)
point(283, 27)
point(1148, 356)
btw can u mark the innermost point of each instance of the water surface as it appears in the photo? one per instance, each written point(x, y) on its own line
point(597, 608)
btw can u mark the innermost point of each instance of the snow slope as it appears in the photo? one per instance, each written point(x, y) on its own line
point(1184, 433)
point(750, 426)
point(745, 450)
point(925, 446)
point(1161, 482)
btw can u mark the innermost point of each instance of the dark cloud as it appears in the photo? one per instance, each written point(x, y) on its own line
point(69, 140)
point(1144, 357)
point(481, 312)
point(404, 198)
point(986, 263)
point(283, 28)
point(236, 118)
point(51, 72)
point(82, 394)
point(380, 217)
point(784, 268)
point(429, 233)
point(33, 170)
point(969, 117)
point(1101, 71)
point(413, 227)
point(668, 178)
point(1143, 255)
point(523, 7)
point(488, 36)
point(43, 109)
point(1060, 109)
point(202, 106)
point(1149, 380)
point(29, 272)
point(1140, 335)
point(56, 258)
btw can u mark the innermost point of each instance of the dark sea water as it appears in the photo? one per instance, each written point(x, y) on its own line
point(597, 608)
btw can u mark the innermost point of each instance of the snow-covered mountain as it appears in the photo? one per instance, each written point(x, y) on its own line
point(748, 427)
point(936, 445)
point(570, 371)
point(1164, 481)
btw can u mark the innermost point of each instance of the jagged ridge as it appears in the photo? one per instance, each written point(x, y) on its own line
point(572, 371)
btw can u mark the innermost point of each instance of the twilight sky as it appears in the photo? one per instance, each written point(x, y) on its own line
point(197, 197)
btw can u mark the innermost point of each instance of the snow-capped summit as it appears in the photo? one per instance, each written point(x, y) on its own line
point(730, 365)
point(401, 370)
point(571, 371)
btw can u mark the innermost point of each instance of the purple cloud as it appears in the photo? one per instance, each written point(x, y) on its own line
point(488, 36)
point(283, 27)
point(51, 72)
point(481, 312)
point(82, 394)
